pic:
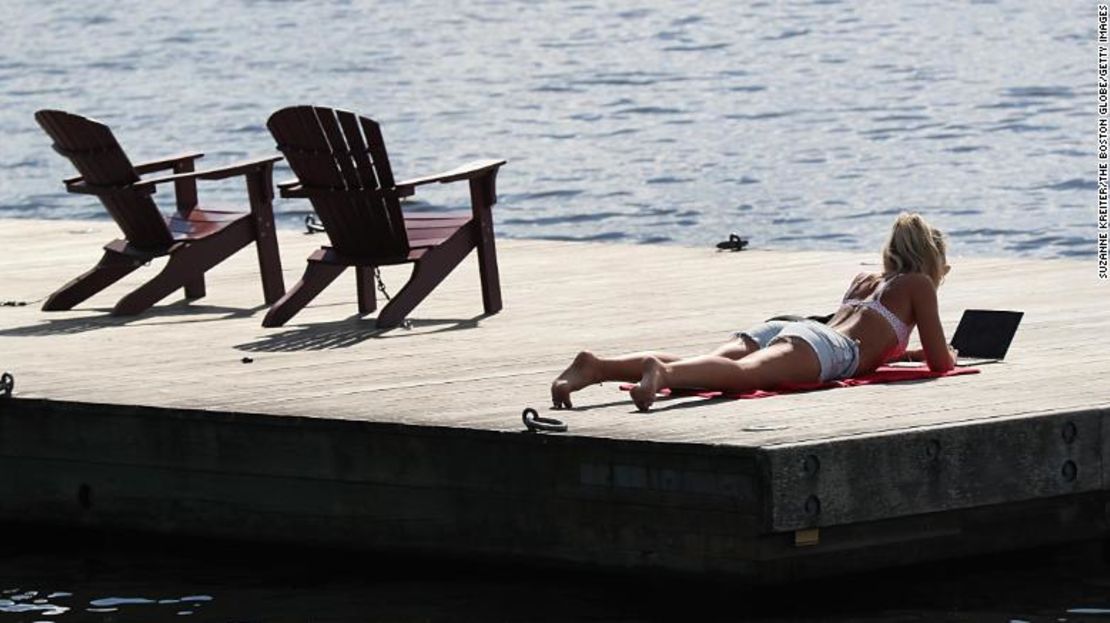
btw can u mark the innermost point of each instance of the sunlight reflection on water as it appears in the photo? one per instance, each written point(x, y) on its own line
point(800, 124)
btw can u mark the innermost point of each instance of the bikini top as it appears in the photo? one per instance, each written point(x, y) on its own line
point(901, 329)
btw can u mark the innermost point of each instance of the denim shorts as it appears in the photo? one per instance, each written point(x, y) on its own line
point(837, 353)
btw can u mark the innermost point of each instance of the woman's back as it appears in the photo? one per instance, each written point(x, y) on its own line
point(878, 313)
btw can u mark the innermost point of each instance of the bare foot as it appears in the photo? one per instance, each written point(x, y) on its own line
point(582, 372)
point(643, 393)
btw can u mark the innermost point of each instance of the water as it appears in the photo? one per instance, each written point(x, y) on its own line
point(106, 581)
point(804, 124)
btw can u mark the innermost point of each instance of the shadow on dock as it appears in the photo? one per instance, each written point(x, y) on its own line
point(181, 312)
point(351, 332)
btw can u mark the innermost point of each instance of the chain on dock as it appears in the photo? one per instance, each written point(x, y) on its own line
point(537, 423)
point(312, 225)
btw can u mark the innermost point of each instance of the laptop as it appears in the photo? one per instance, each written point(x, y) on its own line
point(983, 336)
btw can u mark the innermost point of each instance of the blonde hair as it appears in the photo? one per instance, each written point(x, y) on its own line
point(915, 247)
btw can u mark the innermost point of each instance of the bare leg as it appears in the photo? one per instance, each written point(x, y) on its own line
point(785, 361)
point(587, 369)
point(737, 349)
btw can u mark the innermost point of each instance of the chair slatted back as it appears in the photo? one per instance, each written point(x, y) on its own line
point(340, 159)
point(100, 160)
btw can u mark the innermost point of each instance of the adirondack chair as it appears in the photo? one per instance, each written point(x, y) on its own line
point(195, 238)
point(341, 165)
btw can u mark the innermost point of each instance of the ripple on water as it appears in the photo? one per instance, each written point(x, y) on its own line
point(829, 236)
point(889, 118)
point(629, 78)
point(541, 195)
point(588, 217)
point(1039, 92)
point(787, 34)
point(759, 116)
point(650, 110)
point(611, 236)
point(1075, 183)
point(1071, 245)
point(696, 48)
point(1022, 127)
point(112, 602)
point(869, 213)
point(28, 601)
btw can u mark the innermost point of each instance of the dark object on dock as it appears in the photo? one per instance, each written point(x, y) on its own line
point(194, 238)
point(342, 168)
point(7, 384)
point(734, 243)
point(536, 423)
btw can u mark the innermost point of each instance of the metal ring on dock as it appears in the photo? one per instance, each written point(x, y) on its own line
point(7, 384)
point(536, 422)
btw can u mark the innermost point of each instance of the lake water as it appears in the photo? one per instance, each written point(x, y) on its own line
point(803, 124)
point(103, 580)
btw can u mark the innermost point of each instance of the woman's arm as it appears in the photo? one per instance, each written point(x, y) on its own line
point(852, 286)
point(936, 353)
point(911, 354)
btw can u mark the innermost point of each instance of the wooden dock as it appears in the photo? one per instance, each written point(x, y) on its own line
point(193, 419)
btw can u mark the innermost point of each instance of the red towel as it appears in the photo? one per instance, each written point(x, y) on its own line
point(885, 374)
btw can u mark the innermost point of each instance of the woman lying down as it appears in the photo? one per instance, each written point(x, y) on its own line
point(871, 327)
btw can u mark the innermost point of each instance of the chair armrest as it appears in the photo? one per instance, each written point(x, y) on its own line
point(166, 163)
point(231, 170)
point(80, 186)
point(293, 189)
point(467, 171)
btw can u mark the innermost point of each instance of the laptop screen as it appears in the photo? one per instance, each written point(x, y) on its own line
point(986, 333)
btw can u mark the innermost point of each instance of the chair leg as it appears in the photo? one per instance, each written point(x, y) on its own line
point(317, 276)
point(261, 192)
point(179, 271)
point(111, 268)
point(487, 269)
point(195, 289)
point(269, 265)
point(429, 271)
point(185, 268)
point(367, 299)
point(482, 197)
